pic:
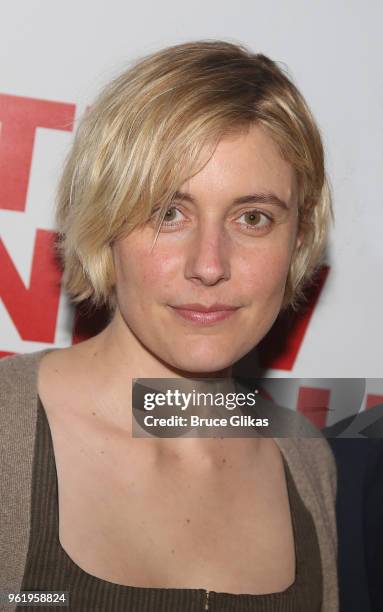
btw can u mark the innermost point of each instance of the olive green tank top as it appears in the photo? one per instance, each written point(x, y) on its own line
point(49, 568)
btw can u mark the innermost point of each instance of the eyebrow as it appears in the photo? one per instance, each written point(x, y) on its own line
point(251, 198)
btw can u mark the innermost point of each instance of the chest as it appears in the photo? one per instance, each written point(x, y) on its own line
point(129, 519)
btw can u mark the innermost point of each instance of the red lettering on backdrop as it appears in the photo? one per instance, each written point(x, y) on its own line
point(280, 347)
point(33, 309)
point(19, 118)
point(373, 400)
point(313, 403)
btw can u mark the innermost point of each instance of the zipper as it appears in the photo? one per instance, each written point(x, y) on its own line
point(207, 594)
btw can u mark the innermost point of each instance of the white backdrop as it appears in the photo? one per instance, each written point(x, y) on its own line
point(65, 51)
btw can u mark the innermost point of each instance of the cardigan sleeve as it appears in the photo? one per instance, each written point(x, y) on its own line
point(18, 412)
point(313, 468)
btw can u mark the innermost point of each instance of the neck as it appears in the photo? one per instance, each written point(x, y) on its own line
point(118, 357)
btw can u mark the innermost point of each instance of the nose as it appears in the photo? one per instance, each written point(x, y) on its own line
point(208, 256)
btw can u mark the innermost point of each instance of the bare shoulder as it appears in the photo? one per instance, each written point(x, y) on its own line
point(64, 373)
point(64, 359)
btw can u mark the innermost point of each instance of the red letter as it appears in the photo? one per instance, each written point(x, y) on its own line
point(313, 403)
point(34, 309)
point(19, 118)
point(373, 400)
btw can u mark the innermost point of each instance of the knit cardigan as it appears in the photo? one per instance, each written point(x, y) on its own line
point(309, 458)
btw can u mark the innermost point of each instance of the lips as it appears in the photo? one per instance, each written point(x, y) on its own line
point(205, 315)
point(202, 308)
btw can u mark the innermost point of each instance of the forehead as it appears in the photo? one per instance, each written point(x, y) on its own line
point(248, 161)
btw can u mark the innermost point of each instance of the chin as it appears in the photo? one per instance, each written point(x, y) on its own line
point(197, 367)
point(203, 359)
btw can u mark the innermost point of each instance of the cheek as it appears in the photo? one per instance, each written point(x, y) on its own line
point(264, 272)
point(140, 272)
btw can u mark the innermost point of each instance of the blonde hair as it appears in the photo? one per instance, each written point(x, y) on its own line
point(141, 139)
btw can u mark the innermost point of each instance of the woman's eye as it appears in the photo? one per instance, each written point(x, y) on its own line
point(173, 216)
point(255, 219)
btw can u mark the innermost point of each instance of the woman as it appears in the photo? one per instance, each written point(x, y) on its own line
point(194, 204)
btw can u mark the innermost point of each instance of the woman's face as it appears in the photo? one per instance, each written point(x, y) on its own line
point(225, 246)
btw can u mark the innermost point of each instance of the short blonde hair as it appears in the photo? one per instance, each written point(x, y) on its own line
point(141, 139)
